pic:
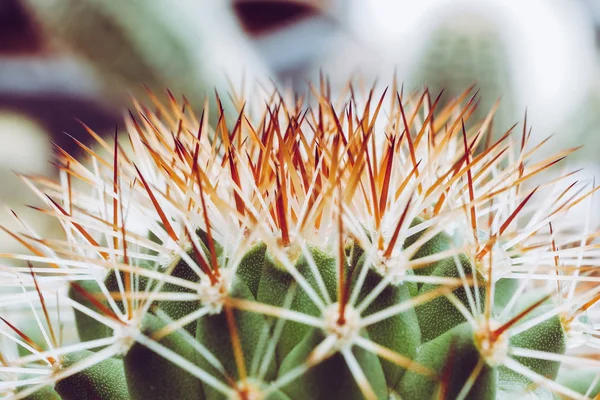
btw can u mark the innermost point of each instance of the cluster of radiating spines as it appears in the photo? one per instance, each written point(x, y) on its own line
point(362, 237)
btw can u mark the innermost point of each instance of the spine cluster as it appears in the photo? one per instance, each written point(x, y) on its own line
point(368, 246)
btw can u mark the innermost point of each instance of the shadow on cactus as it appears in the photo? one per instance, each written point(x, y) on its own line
point(358, 248)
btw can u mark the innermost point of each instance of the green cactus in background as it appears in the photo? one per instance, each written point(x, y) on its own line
point(463, 49)
point(364, 251)
point(158, 44)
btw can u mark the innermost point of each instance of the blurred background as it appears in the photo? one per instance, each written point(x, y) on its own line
point(62, 60)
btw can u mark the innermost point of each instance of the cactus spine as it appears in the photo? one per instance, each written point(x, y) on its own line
point(355, 249)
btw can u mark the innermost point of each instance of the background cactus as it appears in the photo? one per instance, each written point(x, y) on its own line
point(356, 249)
point(159, 45)
point(465, 48)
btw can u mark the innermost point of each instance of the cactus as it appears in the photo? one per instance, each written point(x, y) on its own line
point(158, 44)
point(352, 250)
point(465, 47)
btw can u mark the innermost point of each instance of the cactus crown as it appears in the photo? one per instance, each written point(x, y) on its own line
point(357, 248)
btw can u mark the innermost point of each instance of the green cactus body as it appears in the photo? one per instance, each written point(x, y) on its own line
point(400, 332)
point(88, 327)
point(250, 268)
point(179, 309)
point(445, 335)
point(275, 283)
point(504, 290)
point(249, 326)
point(440, 315)
point(455, 355)
point(105, 380)
point(152, 376)
point(440, 242)
point(332, 378)
point(282, 280)
point(548, 335)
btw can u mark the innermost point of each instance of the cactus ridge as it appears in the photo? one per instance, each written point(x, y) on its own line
point(359, 248)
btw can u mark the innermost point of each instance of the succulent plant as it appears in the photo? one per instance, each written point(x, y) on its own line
point(466, 47)
point(355, 249)
point(159, 44)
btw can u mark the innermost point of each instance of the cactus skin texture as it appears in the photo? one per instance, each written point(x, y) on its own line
point(306, 255)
